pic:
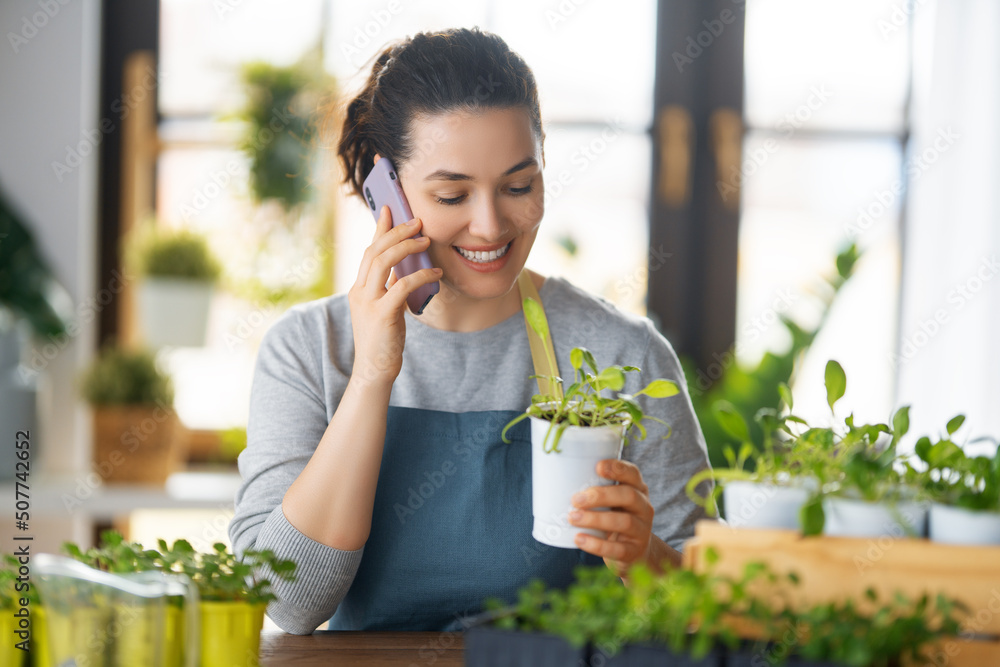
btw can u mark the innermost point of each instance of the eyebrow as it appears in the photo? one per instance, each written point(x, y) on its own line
point(445, 175)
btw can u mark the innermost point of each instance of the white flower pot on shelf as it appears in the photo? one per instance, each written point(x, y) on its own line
point(557, 475)
point(174, 311)
point(847, 517)
point(957, 525)
point(765, 505)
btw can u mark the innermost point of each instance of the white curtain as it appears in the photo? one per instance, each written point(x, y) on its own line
point(948, 359)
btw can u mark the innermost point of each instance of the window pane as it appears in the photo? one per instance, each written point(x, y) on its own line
point(803, 204)
point(203, 44)
point(827, 65)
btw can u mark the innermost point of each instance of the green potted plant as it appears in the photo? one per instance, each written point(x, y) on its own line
point(136, 432)
point(31, 302)
point(678, 618)
point(965, 490)
point(233, 597)
point(156, 625)
point(805, 474)
point(11, 596)
point(179, 274)
point(571, 431)
point(870, 632)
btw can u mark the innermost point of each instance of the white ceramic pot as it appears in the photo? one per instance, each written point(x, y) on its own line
point(556, 476)
point(957, 525)
point(847, 517)
point(174, 311)
point(762, 505)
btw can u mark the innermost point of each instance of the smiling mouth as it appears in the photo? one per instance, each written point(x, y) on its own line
point(483, 257)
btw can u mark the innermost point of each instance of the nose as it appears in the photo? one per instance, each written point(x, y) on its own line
point(486, 223)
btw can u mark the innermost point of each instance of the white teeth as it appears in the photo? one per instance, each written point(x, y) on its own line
point(482, 257)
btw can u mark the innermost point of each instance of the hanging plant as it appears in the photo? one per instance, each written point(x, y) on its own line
point(282, 115)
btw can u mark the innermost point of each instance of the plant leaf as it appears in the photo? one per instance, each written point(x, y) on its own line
point(955, 423)
point(836, 382)
point(659, 389)
point(536, 317)
point(786, 394)
point(731, 421)
point(812, 517)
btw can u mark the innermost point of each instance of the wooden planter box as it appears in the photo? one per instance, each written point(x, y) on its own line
point(834, 569)
point(137, 444)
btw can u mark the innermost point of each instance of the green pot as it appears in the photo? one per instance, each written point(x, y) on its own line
point(148, 631)
point(80, 633)
point(9, 653)
point(230, 633)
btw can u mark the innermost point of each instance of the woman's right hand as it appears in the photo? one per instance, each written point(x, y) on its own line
point(377, 300)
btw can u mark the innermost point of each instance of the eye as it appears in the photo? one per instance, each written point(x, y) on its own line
point(450, 201)
point(517, 192)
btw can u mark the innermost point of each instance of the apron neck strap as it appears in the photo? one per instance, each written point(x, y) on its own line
point(526, 286)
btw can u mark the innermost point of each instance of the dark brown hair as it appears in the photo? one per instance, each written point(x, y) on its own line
point(458, 69)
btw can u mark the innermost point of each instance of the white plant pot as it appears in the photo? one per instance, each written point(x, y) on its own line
point(174, 311)
point(556, 476)
point(847, 517)
point(957, 525)
point(763, 505)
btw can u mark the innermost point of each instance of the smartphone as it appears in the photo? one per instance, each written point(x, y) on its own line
point(382, 188)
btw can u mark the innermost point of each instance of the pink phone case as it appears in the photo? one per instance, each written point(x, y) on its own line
point(382, 188)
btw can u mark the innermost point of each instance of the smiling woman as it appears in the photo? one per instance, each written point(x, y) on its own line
point(374, 455)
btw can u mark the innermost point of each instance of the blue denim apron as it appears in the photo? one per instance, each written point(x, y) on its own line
point(451, 524)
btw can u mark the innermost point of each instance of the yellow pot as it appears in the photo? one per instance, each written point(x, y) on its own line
point(10, 654)
point(80, 633)
point(230, 633)
point(148, 631)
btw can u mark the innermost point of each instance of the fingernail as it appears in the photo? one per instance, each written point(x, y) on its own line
point(578, 498)
point(413, 222)
point(575, 515)
point(580, 539)
point(438, 271)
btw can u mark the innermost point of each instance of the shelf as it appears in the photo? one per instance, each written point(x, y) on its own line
point(66, 496)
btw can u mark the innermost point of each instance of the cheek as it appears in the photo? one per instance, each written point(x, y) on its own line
point(528, 213)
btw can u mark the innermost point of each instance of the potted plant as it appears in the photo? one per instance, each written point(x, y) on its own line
point(806, 473)
point(233, 597)
point(179, 274)
point(855, 633)
point(136, 432)
point(31, 302)
point(965, 490)
point(11, 596)
point(571, 431)
point(155, 626)
point(678, 618)
point(69, 620)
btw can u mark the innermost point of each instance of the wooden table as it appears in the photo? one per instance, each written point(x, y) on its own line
point(368, 649)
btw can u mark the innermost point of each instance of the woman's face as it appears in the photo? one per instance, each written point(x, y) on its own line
point(476, 183)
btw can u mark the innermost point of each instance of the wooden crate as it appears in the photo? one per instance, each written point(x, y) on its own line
point(838, 568)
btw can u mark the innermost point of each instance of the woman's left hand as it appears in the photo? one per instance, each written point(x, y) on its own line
point(628, 522)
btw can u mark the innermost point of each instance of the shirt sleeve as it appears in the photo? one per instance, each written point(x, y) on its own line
point(288, 417)
point(668, 464)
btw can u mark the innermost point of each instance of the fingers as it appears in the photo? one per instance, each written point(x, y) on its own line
point(385, 237)
point(616, 548)
point(388, 251)
point(623, 497)
point(404, 286)
point(623, 472)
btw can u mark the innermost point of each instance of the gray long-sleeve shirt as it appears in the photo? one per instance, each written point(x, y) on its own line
point(302, 370)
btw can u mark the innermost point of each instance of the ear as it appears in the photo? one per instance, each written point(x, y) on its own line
point(377, 158)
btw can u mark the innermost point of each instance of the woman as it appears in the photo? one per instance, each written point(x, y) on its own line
point(378, 466)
